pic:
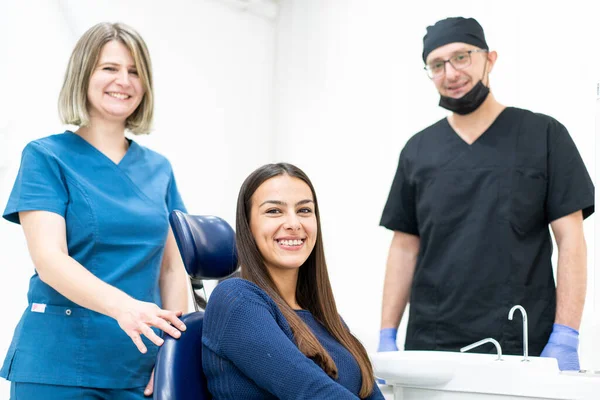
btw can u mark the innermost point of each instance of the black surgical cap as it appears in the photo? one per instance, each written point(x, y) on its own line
point(453, 30)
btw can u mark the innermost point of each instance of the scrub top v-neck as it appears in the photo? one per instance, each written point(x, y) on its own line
point(116, 217)
point(482, 211)
point(131, 148)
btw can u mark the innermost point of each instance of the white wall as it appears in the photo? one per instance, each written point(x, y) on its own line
point(213, 69)
point(350, 91)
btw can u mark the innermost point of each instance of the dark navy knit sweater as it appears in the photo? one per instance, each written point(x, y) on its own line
point(249, 352)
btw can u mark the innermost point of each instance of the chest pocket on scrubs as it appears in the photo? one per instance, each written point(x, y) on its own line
point(527, 200)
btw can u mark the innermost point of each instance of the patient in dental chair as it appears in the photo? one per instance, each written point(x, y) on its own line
point(275, 332)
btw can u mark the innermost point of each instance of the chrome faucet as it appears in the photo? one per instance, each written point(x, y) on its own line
point(488, 340)
point(525, 338)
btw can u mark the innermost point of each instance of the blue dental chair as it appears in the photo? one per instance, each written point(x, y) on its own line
point(207, 247)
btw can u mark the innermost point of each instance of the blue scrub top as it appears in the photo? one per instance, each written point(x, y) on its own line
point(116, 219)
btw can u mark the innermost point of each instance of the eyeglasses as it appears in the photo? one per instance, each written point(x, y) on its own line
point(461, 60)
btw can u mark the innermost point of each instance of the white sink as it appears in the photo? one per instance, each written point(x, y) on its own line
point(448, 375)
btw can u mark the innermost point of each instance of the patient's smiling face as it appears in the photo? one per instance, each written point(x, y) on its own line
point(283, 222)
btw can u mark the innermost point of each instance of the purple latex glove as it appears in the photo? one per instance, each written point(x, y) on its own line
point(387, 340)
point(562, 345)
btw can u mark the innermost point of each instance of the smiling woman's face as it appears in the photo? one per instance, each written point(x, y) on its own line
point(115, 90)
point(283, 222)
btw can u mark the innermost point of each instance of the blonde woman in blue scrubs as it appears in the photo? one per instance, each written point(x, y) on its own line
point(94, 207)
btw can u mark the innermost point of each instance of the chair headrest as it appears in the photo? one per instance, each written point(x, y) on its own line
point(206, 244)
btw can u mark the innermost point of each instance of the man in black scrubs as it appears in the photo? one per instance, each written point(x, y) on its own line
point(471, 205)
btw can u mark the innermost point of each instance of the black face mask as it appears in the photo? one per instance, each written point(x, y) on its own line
point(469, 102)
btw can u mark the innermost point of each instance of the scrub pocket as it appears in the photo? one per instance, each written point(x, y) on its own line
point(49, 344)
point(527, 200)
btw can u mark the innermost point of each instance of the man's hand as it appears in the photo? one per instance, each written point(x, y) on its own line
point(562, 345)
point(387, 340)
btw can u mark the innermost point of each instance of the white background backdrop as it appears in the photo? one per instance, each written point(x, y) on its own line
point(334, 86)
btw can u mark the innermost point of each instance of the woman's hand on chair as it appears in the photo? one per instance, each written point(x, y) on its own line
point(137, 317)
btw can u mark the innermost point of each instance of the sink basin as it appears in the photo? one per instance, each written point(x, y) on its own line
point(449, 375)
point(421, 368)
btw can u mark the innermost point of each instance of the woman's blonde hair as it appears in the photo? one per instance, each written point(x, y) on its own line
point(72, 102)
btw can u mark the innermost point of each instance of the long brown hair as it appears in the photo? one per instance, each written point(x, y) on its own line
point(313, 290)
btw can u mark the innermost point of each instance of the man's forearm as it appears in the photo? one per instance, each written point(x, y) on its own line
point(399, 273)
point(395, 299)
point(571, 281)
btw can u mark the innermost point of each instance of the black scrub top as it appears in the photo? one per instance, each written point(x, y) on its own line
point(482, 212)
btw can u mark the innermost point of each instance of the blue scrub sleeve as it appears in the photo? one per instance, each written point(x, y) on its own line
point(174, 200)
point(39, 185)
point(245, 331)
point(570, 187)
point(399, 213)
